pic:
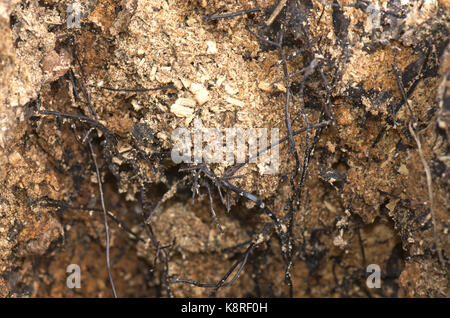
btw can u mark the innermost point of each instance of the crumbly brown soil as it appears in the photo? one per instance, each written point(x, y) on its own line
point(379, 215)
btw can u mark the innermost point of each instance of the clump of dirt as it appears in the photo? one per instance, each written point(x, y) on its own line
point(363, 175)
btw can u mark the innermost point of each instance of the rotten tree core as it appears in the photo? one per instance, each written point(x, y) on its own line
point(90, 96)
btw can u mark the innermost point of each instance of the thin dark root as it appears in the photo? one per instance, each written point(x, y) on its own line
point(82, 86)
point(402, 90)
point(223, 282)
point(232, 170)
point(162, 255)
point(297, 52)
point(210, 18)
point(63, 205)
point(105, 214)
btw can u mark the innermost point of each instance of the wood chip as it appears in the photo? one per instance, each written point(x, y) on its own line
point(200, 93)
point(181, 111)
point(235, 102)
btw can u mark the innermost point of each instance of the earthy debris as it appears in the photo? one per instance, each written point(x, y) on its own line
point(359, 94)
